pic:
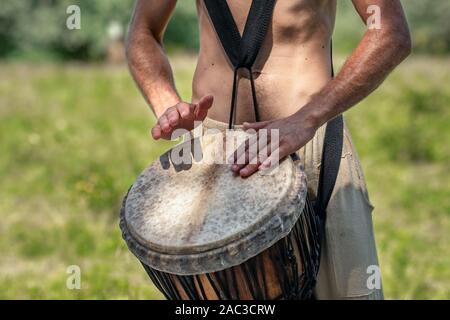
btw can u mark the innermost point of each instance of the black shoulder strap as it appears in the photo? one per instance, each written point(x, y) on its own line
point(226, 28)
point(241, 51)
point(331, 159)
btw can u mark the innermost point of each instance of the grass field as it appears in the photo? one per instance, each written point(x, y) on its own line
point(74, 137)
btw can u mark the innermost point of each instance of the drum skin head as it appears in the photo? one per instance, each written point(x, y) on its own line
point(187, 213)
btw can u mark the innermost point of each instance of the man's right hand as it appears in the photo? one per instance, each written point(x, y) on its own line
point(181, 116)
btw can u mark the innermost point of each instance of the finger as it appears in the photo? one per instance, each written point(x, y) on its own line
point(246, 157)
point(254, 162)
point(263, 154)
point(242, 150)
point(274, 157)
point(164, 123)
point(233, 157)
point(255, 125)
point(236, 168)
point(173, 116)
point(236, 158)
point(184, 110)
point(206, 102)
point(248, 170)
point(240, 163)
point(203, 106)
point(156, 132)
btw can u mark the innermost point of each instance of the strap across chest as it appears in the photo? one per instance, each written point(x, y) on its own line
point(242, 51)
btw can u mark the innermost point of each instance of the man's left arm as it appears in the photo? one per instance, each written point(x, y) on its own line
point(378, 53)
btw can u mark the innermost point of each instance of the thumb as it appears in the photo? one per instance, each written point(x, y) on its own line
point(255, 125)
point(203, 106)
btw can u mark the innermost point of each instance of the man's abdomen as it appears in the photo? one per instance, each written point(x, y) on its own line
point(283, 84)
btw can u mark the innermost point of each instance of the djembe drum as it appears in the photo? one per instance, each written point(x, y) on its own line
point(203, 233)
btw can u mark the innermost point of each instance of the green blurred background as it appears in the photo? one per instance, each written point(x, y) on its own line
point(74, 136)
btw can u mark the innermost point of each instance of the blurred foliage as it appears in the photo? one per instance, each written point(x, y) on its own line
point(428, 20)
point(430, 24)
point(36, 28)
point(75, 136)
point(182, 31)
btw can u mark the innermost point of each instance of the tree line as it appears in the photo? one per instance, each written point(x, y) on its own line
point(37, 28)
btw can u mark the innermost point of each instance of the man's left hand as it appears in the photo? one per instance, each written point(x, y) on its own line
point(294, 132)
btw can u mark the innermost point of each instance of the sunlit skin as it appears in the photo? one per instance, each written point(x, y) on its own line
point(296, 93)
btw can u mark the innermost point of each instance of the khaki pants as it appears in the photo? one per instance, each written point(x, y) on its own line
point(349, 256)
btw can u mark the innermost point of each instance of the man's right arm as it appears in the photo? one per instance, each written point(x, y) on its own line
point(147, 60)
point(151, 70)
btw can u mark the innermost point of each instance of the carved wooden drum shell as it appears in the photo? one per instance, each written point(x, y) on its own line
point(203, 233)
